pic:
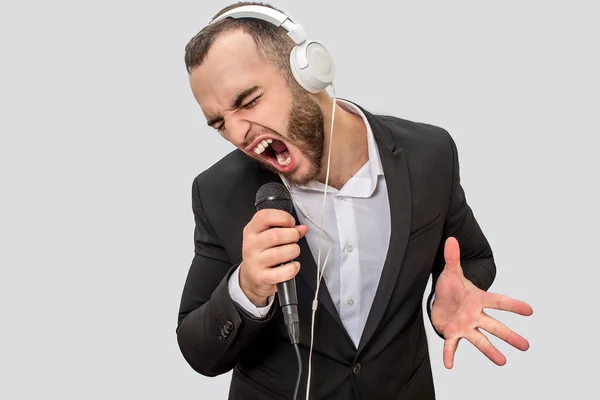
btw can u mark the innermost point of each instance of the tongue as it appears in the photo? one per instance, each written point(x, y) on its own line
point(278, 146)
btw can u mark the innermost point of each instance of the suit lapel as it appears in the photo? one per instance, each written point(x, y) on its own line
point(398, 185)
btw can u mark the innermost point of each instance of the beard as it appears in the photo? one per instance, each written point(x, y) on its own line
point(306, 131)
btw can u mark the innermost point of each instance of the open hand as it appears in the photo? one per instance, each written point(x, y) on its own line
point(457, 311)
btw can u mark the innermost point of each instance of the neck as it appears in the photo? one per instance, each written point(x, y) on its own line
point(349, 149)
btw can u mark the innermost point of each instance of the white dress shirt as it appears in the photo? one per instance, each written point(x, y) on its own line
point(357, 218)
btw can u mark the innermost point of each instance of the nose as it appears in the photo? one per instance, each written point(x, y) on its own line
point(236, 129)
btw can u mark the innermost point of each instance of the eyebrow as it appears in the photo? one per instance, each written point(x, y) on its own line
point(239, 99)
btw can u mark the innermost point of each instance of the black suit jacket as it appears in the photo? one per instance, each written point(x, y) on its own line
point(427, 205)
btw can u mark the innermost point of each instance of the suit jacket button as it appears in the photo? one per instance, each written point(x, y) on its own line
point(356, 369)
point(229, 326)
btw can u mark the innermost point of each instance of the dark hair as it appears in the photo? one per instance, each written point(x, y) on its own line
point(272, 42)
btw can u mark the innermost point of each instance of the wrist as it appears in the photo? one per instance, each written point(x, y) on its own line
point(258, 301)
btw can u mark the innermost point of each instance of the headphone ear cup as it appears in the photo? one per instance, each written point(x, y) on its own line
point(312, 66)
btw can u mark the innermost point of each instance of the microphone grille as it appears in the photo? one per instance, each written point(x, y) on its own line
point(273, 195)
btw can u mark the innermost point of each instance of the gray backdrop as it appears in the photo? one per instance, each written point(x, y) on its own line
point(101, 139)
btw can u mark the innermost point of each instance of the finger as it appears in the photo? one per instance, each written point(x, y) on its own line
point(452, 253)
point(276, 237)
point(450, 346)
point(281, 273)
point(484, 345)
point(302, 229)
point(268, 218)
point(505, 303)
point(501, 331)
point(279, 255)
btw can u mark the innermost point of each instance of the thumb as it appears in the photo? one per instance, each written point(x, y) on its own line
point(302, 229)
point(452, 254)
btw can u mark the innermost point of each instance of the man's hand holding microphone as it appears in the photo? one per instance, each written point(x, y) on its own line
point(269, 240)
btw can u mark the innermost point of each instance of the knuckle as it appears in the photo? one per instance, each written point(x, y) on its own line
point(283, 218)
point(261, 216)
point(263, 259)
point(275, 235)
point(273, 217)
point(269, 213)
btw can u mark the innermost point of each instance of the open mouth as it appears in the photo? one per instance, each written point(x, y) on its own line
point(273, 151)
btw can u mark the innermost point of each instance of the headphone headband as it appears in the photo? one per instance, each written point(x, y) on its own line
point(310, 62)
point(295, 31)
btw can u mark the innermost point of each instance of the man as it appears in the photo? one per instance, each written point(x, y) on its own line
point(396, 213)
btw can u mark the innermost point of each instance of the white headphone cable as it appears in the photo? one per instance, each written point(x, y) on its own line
point(320, 270)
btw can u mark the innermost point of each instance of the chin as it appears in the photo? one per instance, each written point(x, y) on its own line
point(302, 175)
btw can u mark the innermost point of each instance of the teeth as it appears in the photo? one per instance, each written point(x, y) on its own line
point(283, 161)
point(262, 146)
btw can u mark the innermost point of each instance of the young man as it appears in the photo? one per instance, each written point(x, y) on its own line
point(395, 212)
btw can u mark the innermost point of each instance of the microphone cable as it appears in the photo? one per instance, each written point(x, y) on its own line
point(299, 370)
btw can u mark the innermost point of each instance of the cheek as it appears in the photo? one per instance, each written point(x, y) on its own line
point(269, 115)
point(278, 106)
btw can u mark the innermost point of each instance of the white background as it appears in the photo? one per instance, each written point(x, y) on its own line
point(101, 139)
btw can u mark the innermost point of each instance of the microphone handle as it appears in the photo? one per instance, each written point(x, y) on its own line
point(288, 300)
point(287, 292)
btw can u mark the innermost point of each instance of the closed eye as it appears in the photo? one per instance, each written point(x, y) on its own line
point(251, 103)
point(246, 106)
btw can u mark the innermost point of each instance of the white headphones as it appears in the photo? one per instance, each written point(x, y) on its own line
point(311, 63)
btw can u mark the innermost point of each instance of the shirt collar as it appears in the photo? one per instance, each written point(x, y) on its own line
point(364, 182)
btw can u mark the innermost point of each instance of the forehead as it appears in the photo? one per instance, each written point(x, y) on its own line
point(232, 64)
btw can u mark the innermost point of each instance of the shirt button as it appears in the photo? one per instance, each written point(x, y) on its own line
point(356, 369)
point(350, 248)
point(351, 302)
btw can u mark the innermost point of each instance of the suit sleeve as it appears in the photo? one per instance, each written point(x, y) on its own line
point(212, 329)
point(476, 255)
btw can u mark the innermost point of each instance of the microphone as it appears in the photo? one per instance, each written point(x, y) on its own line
point(275, 195)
